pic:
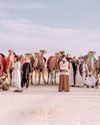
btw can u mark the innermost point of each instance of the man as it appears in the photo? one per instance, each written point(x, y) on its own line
point(91, 80)
point(16, 74)
point(64, 75)
point(26, 70)
point(74, 65)
point(84, 71)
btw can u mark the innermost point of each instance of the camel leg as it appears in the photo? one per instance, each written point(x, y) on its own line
point(48, 77)
point(39, 77)
point(55, 77)
point(32, 78)
point(35, 77)
point(51, 80)
point(44, 77)
point(97, 77)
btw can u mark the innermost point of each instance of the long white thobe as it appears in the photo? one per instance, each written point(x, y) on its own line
point(16, 76)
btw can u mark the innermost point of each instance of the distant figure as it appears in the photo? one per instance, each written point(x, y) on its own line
point(79, 80)
point(71, 79)
point(84, 71)
point(26, 70)
point(74, 65)
point(16, 75)
point(91, 80)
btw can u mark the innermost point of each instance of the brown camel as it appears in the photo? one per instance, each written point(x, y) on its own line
point(53, 67)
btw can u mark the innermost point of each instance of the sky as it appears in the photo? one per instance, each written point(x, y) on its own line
point(53, 25)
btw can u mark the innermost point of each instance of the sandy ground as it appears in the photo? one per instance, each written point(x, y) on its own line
point(44, 105)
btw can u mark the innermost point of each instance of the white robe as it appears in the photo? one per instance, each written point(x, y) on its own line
point(91, 80)
point(71, 80)
point(85, 68)
point(16, 76)
point(79, 80)
point(64, 66)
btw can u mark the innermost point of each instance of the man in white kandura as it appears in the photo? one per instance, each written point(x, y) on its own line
point(91, 80)
point(16, 75)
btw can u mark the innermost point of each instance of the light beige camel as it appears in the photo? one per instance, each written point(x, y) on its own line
point(39, 65)
point(90, 62)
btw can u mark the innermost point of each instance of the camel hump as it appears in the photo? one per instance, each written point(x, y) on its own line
point(51, 62)
point(50, 58)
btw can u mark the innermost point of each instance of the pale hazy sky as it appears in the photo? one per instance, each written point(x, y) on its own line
point(53, 25)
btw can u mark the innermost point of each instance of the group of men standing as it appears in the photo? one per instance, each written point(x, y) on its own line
point(74, 72)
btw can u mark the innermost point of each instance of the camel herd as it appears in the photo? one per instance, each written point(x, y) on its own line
point(40, 65)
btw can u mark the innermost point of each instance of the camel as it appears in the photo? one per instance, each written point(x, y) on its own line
point(9, 63)
point(5, 82)
point(38, 63)
point(2, 64)
point(6, 62)
point(90, 61)
point(97, 68)
point(53, 67)
point(5, 71)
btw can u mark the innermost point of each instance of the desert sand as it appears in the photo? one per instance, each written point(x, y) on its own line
point(44, 105)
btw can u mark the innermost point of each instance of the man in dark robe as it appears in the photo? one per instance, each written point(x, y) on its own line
point(26, 70)
point(74, 65)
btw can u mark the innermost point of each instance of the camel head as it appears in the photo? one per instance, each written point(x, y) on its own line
point(91, 53)
point(42, 52)
point(57, 54)
point(10, 51)
point(62, 53)
point(35, 54)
